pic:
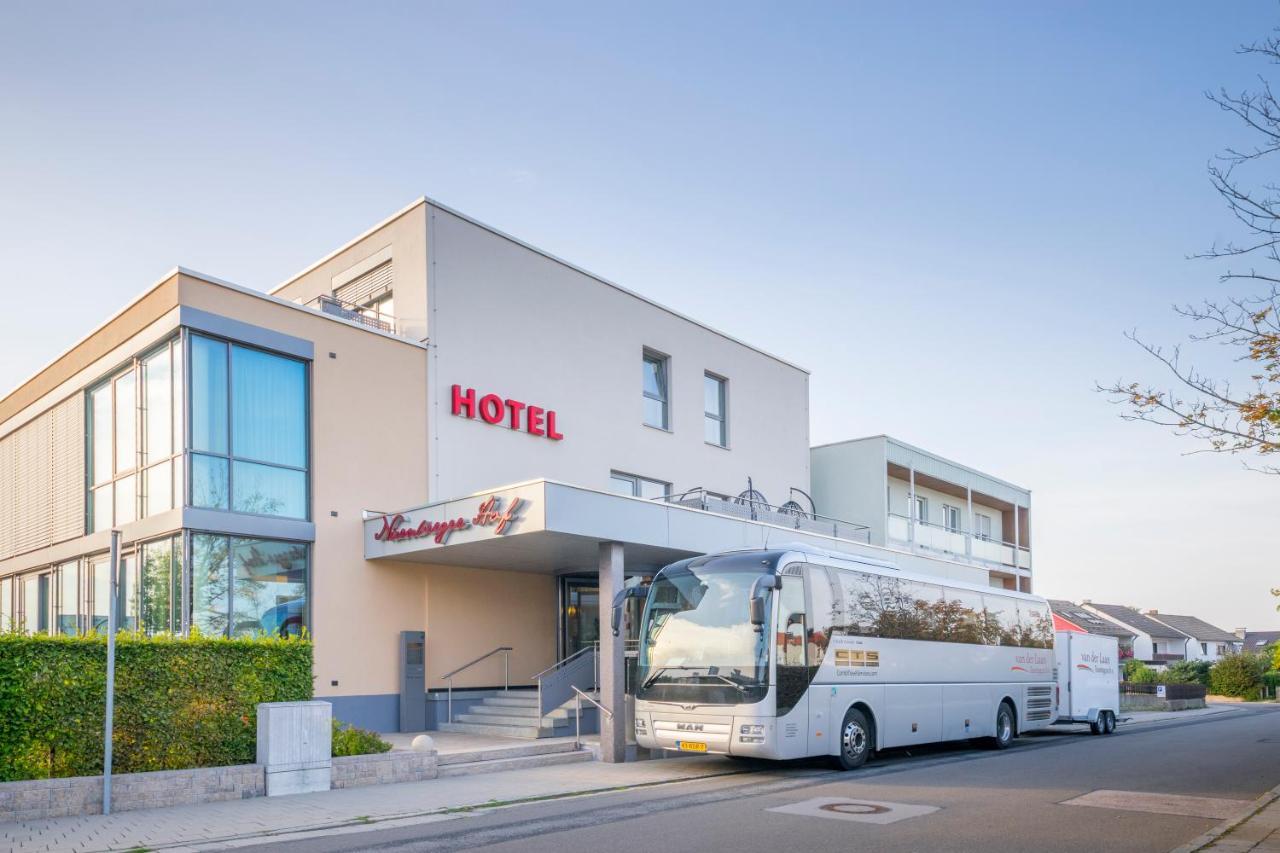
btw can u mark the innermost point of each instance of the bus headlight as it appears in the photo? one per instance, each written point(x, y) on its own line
point(751, 733)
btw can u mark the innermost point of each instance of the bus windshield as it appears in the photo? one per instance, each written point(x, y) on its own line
point(697, 643)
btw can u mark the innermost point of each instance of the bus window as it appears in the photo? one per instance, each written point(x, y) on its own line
point(894, 608)
point(1036, 625)
point(793, 674)
point(1004, 612)
point(965, 619)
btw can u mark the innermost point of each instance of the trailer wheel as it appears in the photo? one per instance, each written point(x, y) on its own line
point(1097, 727)
point(1109, 722)
point(855, 740)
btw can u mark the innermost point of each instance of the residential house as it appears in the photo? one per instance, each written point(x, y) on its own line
point(1078, 618)
point(1256, 641)
point(1204, 641)
point(1154, 642)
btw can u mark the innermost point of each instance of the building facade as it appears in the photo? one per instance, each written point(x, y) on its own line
point(440, 429)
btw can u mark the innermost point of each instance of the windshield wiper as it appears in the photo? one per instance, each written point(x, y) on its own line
point(726, 679)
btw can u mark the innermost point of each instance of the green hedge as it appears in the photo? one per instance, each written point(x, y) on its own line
point(180, 702)
point(350, 740)
point(1238, 675)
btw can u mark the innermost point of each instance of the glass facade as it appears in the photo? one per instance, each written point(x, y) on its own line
point(248, 586)
point(135, 439)
point(248, 430)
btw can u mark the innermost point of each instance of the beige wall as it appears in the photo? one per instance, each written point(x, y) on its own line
point(471, 611)
point(406, 236)
point(369, 451)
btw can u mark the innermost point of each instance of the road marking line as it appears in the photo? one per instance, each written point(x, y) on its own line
point(862, 811)
point(1174, 804)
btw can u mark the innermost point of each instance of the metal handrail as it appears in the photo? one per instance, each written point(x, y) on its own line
point(506, 683)
point(577, 717)
point(564, 661)
point(702, 494)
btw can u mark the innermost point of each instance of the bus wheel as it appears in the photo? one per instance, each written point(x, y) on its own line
point(1004, 727)
point(855, 740)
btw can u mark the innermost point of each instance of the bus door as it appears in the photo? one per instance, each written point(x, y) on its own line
point(792, 670)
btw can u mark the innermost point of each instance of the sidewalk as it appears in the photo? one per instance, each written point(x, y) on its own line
point(1137, 717)
point(243, 822)
point(1257, 830)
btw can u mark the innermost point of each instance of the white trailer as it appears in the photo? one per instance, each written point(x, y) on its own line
point(1088, 680)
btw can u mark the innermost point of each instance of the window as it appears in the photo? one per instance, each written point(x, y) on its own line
point(160, 586)
point(248, 430)
point(656, 386)
point(248, 586)
point(135, 439)
point(951, 518)
point(637, 487)
point(6, 605)
point(921, 507)
point(69, 599)
point(1204, 649)
point(982, 525)
point(34, 597)
point(792, 672)
point(715, 418)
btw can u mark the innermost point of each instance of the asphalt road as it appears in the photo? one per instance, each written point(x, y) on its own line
point(979, 800)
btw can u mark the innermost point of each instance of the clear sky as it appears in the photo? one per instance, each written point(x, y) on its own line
point(949, 212)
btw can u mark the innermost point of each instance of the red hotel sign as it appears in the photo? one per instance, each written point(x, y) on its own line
point(513, 414)
point(489, 514)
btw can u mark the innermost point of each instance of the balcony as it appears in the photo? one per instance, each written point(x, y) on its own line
point(935, 537)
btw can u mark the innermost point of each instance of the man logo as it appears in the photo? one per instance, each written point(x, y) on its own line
point(688, 727)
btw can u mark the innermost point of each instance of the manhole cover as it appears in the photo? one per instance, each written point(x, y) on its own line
point(855, 808)
point(861, 811)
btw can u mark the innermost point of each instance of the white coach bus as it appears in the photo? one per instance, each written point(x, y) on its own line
point(794, 653)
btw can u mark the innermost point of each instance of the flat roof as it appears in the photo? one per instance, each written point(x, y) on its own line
point(544, 253)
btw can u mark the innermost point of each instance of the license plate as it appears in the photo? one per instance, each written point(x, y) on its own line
point(691, 745)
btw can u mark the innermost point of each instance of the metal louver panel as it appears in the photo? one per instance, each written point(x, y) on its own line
point(364, 287)
point(42, 480)
point(66, 510)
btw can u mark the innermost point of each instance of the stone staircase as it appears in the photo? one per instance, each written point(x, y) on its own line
point(512, 714)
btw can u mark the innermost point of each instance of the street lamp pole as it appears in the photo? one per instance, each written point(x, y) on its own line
point(111, 671)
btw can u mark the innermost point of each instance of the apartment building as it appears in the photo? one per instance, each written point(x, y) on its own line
point(920, 502)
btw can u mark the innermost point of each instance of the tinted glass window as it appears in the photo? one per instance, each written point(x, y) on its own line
point(208, 394)
point(269, 422)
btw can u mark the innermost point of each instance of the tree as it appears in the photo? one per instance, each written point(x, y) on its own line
point(1244, 417)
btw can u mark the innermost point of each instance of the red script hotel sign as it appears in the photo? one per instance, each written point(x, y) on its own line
point(490, 514)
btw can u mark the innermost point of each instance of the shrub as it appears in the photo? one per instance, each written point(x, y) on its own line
point(1271, 683)
point(1187, 672)
point(1138, 672)
point(179, 702)
point(349, 740)
point(1238, 675)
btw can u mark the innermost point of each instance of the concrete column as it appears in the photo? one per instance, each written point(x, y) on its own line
point(911, 505)
point(613, 733)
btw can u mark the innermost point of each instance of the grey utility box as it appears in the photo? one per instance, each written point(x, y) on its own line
point(413, 681)
point(295, 746)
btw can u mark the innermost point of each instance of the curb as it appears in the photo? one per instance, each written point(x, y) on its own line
point(1230, 823)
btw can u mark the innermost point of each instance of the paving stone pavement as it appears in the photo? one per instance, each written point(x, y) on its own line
point(1258, 832)
point(221, 825)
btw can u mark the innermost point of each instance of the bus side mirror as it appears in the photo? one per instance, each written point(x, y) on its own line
point(619, 600)
point(759, 599)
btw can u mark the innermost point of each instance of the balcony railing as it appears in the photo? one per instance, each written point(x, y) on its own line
point(937, 537)
point(355, 313)
point(791, 515)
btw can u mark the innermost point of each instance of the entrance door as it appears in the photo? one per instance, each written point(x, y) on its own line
point(581, 615)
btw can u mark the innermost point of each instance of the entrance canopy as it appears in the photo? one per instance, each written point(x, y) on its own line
point(546, 526)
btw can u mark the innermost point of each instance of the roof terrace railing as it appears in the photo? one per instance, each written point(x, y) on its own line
point(336, 307)
point(789, 515)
